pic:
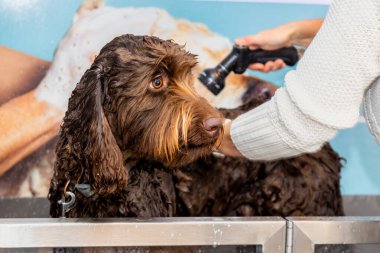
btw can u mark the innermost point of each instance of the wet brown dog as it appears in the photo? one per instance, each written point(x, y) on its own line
point(137, 141)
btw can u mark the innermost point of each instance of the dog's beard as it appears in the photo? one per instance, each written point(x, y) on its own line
point(179, 145)
point(197, 146)
point(174, 133)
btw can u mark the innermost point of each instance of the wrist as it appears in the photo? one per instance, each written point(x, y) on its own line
point(227, 146)
point(301, 33)
point(294, 33)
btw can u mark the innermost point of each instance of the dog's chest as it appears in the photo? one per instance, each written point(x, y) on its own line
point(150, 192)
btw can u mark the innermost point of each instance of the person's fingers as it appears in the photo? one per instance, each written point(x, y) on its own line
point(268, 66)
point(257, 66)
point(244, 41)
point(278, 64)
point(226, 145)
point(251, 41)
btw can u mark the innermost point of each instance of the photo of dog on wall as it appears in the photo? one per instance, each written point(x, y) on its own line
point(37, 91)
point(191, 183)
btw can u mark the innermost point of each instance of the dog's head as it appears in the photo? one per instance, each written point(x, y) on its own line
point(137, 101)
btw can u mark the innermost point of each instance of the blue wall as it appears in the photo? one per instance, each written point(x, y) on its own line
point(37, 27)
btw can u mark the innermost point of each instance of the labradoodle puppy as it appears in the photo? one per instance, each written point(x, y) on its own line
point(137, 141)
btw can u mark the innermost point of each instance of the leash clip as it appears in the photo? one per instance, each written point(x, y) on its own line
point(66, 205)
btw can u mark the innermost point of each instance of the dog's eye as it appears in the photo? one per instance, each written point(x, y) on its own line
point(157, 83)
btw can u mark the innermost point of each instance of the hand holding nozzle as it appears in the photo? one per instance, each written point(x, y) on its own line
point(238, 61)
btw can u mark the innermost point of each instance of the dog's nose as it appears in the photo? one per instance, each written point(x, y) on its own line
point(212, 125)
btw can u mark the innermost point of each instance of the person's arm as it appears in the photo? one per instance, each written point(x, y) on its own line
point(26, 122)
point(304, 31)
point(19, 73)
point(322, 95)
point(298, 33)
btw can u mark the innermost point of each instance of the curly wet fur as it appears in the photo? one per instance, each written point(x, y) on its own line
point(307, 185)
point(145, 151)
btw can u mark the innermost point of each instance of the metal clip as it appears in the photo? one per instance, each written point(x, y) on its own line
point(66, 205)
point(85, 190)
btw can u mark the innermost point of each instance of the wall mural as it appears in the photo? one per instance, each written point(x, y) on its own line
point(46, 46)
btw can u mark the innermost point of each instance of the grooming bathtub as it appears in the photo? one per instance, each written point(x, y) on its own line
point(24, 227)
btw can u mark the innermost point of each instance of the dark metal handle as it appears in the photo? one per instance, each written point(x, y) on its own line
point(289, 55)
point(238, 61)
point(246, 56)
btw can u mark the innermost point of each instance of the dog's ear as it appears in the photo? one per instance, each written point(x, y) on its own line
point(87, 150)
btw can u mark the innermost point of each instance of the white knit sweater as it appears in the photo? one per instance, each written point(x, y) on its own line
point(324, 93)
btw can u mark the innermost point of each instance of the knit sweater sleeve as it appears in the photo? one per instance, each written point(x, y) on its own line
point(325, 91)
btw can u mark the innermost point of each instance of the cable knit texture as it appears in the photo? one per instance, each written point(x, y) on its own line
point(372, 109)
point(325, 91)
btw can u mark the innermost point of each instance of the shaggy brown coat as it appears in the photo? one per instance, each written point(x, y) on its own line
point(140, 136)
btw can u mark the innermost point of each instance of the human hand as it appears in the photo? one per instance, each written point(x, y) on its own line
point(272, 39)
point(295, 33)
point(226, 146)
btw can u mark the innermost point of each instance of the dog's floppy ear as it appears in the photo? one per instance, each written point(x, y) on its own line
point(87, 150)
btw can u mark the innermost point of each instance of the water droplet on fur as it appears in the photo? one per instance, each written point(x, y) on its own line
point(122, 210)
